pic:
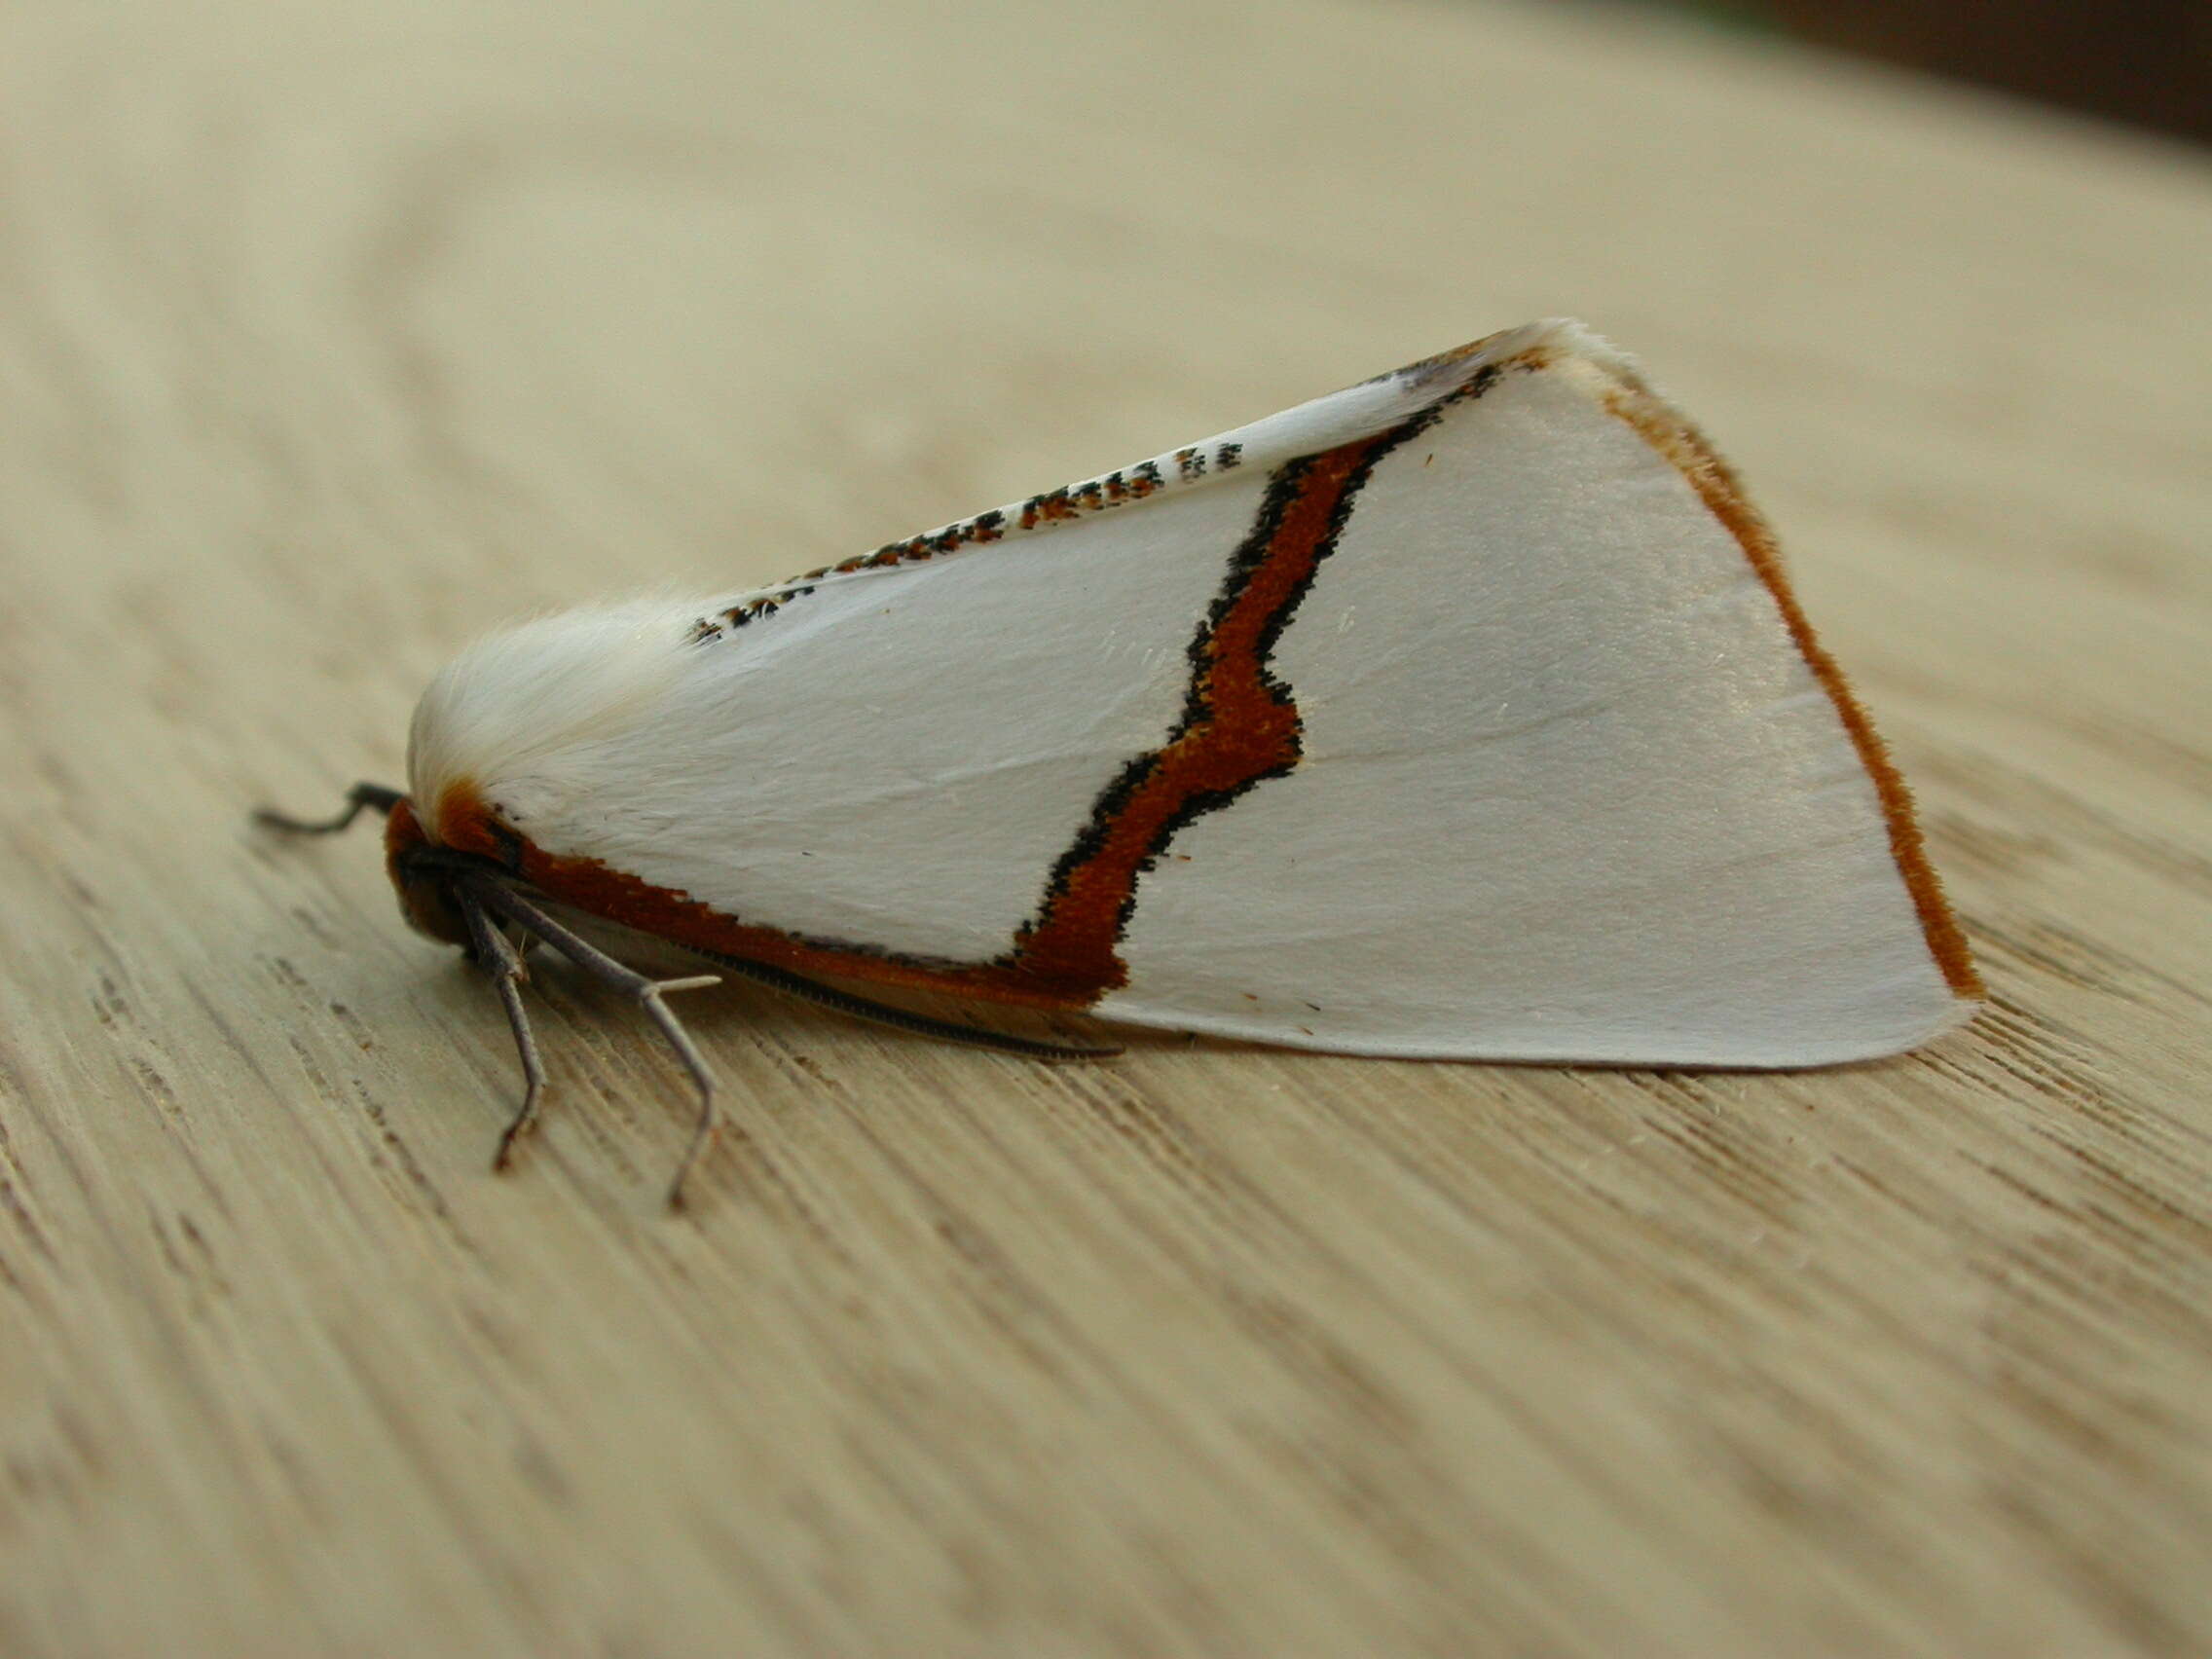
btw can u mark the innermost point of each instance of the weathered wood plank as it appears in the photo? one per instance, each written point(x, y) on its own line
point(329, 335)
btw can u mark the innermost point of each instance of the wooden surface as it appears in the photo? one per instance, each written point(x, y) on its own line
point(330, 334)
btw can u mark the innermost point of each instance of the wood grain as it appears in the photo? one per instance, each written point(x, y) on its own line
point(331, 334)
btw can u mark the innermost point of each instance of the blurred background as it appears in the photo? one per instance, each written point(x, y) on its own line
point(2148, 62)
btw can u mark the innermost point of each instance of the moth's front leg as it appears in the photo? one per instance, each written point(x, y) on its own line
point(502, 964)
point(488, 893)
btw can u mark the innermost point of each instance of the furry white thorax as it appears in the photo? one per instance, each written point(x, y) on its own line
point(530, 713)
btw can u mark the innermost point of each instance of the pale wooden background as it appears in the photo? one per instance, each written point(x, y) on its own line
point(330, 333)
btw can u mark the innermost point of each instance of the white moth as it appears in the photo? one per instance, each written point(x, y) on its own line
point(1464, 713)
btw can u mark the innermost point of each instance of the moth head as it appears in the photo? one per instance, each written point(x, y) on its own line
point(421, 878)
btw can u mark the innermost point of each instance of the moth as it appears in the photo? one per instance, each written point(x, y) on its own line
point(1464, 713)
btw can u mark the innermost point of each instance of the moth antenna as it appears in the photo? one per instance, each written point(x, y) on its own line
point(502, 964)
point(494, 895)
point(380, 797)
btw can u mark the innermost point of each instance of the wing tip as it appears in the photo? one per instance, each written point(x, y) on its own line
point(1539, 345)
point(1613, 377)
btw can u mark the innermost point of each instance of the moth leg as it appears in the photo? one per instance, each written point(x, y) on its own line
point(502, 963)
point(377, 795)
point(494, 895)
point(805, 989)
